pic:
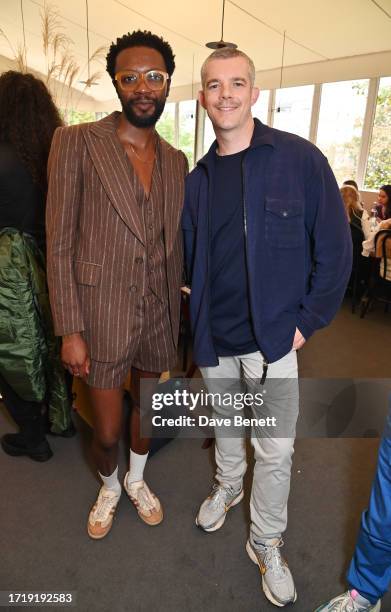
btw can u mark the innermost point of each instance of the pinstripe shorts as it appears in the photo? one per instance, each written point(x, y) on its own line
point(150, 348)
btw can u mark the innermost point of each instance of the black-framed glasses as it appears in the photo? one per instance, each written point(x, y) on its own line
point(128, 80)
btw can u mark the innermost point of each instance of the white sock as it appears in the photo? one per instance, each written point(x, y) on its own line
point(111, 482)
point(136, 466)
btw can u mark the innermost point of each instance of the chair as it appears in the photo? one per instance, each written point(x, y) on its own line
point(380, 285)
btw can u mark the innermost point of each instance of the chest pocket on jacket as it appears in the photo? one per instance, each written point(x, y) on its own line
point(284, 223)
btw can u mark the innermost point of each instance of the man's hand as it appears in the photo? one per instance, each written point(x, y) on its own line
point(74, 355)
point(298, 340)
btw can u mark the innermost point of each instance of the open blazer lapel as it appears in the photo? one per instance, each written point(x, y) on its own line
point(112, 165)
point(172, 179)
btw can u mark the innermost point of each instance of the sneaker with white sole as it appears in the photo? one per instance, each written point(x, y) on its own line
point(277, 580)
point(214, 508)
point(351, 601)
point(146, 503)
point(101, 517)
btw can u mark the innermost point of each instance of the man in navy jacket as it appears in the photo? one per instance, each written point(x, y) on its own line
point(268, 254)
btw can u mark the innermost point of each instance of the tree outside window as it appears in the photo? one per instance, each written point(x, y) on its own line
point(341, 120)
point(378, 170)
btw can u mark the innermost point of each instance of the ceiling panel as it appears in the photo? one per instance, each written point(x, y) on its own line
point(316, 30)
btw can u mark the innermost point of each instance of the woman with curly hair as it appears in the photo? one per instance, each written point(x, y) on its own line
point(30, 378)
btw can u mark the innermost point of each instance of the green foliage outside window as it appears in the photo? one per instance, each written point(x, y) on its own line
point(379, 160)
point(74, 117)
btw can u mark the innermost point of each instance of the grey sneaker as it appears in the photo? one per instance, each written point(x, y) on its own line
point(351, 601)
point(277, 581)
point(213, 510)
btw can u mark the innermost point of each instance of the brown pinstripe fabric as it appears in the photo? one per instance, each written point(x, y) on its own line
point(96, 233)
point(153, 267)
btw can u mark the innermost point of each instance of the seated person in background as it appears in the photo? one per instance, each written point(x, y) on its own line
point(383, 207)
point(368, 246)
point(358, 217)
point(384, 225)
point(351, 183)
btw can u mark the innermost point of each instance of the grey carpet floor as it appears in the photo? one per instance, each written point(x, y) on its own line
point(175, 566)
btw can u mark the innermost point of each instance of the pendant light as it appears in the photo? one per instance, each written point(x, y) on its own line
point(90, 80)
point(220, 44)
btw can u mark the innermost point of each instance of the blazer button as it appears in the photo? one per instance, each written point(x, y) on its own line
point(133, 288)
point(139, 260)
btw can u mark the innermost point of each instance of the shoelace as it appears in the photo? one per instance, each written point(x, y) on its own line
point(105, 504)
point(344, 604)
point(219, 495)
point(144, 498)
point(272, 559)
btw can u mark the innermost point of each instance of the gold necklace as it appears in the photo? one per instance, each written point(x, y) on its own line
point(144, 161)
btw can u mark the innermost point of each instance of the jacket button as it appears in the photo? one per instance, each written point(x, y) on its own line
point(284, 213)
point(139, 260)
point(133, 288)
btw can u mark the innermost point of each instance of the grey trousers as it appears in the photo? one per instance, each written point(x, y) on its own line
point(272, 454)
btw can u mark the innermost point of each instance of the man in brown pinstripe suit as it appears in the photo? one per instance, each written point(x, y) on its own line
point(115, 259)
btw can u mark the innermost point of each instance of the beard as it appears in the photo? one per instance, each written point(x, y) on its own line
point(143, 121)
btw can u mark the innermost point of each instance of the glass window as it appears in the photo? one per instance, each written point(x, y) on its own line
point(341, 118)
point(74, 117)
point(166, 123)
point(379, 160)
point(293, 107)
point(261, 106)
point(187, 120)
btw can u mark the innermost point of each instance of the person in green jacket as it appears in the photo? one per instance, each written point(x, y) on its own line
point(31, 376)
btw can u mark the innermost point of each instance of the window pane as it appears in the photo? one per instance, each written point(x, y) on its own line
point(166, 123)
point(341, 119)
point(187, 113)
point(261, 106)
point(292, 112)
point(379, 160)
point(209, 135)
point(74, 117)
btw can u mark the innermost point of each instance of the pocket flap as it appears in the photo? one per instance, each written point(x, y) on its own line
point(87, 273)
point(284, 208)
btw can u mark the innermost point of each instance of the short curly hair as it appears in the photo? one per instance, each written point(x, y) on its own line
point(140, 38)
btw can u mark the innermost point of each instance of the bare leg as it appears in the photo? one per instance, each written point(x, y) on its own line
point(139, 445)
point(107, 421)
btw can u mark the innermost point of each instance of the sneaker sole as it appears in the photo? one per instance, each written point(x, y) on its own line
point(265, 588)
point(322, 607)
point(221, 521)
point(95, 536)
point(99, 537)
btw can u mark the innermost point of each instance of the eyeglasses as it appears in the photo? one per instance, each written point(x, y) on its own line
point(129, 80)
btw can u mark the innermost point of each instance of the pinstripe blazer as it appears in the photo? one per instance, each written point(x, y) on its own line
point(95, 234)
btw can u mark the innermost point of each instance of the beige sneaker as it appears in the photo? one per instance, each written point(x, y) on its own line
point(146, 503)
point(101, 516)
